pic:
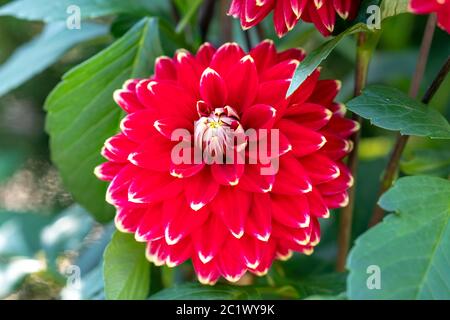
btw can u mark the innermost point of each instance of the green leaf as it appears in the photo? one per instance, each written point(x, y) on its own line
point(82, 113)
point(315, 58)
point(126, 271)
point(50, 10)
point(193, 8)
point(391, 109)
point(427, 161)
point(391, 8)
point(195, 291)
point(43, 51)
point(411, 247)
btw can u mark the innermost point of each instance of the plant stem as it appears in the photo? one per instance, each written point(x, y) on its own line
point(346, 217)
point(391, 170)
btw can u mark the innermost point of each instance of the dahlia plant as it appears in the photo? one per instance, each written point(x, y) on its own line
point(241, 144)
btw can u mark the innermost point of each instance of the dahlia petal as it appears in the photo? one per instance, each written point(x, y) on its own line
point(342, 127)
point(304, 141)
point(209, 238)
point(268, 254)
point(185, 170)
point(290, 15)
point(130, 85)
point(309, 115)
point(117, 192)
point(202, 189)
point(235, 8)
point(335, 201)
point(317, 206)
point(226, 56)
point(279, 19)
point(168, 126)
point(189, 71)
point(127, 100)
point(177, 213)
point(227, 174)
point(444, 18)
point(301, 236)
point(281, 71)
point(242, 83)
point(328, 16)
point(319, 168)
point(213, 89)
point(272, 92)
point(265, 55)
point(157, 252)
point(178, 253)
point(315, 15)
point(421, 6)
point(233, 206)
point(292, 54)
point(315, 233)
point(205, 54)
point(108, 170)
point(306, 89)
point(253, 181)
point(341, 184)
point(154, 154)
point(292, 178)
point(165, 69)
point(325, 92)
point(254, 12)
point(169, 99)
point(135, 126)
point(207, 273)
point(343, 8)
point(283, 252)
point(152, 187)
point(231, 262)
point(118, 148)
point(127, 220)
point(291, 211)
point(259, 116)
point(151, 226)
point(336, 148)
point(259, 222)
point(250, 249)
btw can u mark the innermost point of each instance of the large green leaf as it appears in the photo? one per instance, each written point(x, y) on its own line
point(126, 271)
point(82, 113)
point(411, 247)
point(43, 51)
point(391, 109)
point(51, 10)
point(315, 58)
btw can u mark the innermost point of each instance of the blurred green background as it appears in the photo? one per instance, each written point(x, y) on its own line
point(42, 233)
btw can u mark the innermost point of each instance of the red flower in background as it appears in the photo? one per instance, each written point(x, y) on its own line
point(440, 7)
point(227, 218)
point(287, 13)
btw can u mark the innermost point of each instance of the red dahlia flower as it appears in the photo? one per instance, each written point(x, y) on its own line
point(233, 217)
point(287, 13)
point(440, 7)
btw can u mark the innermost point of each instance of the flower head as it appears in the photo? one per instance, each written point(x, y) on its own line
point(214, 164)
point(440, 7)
point(287, 13)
